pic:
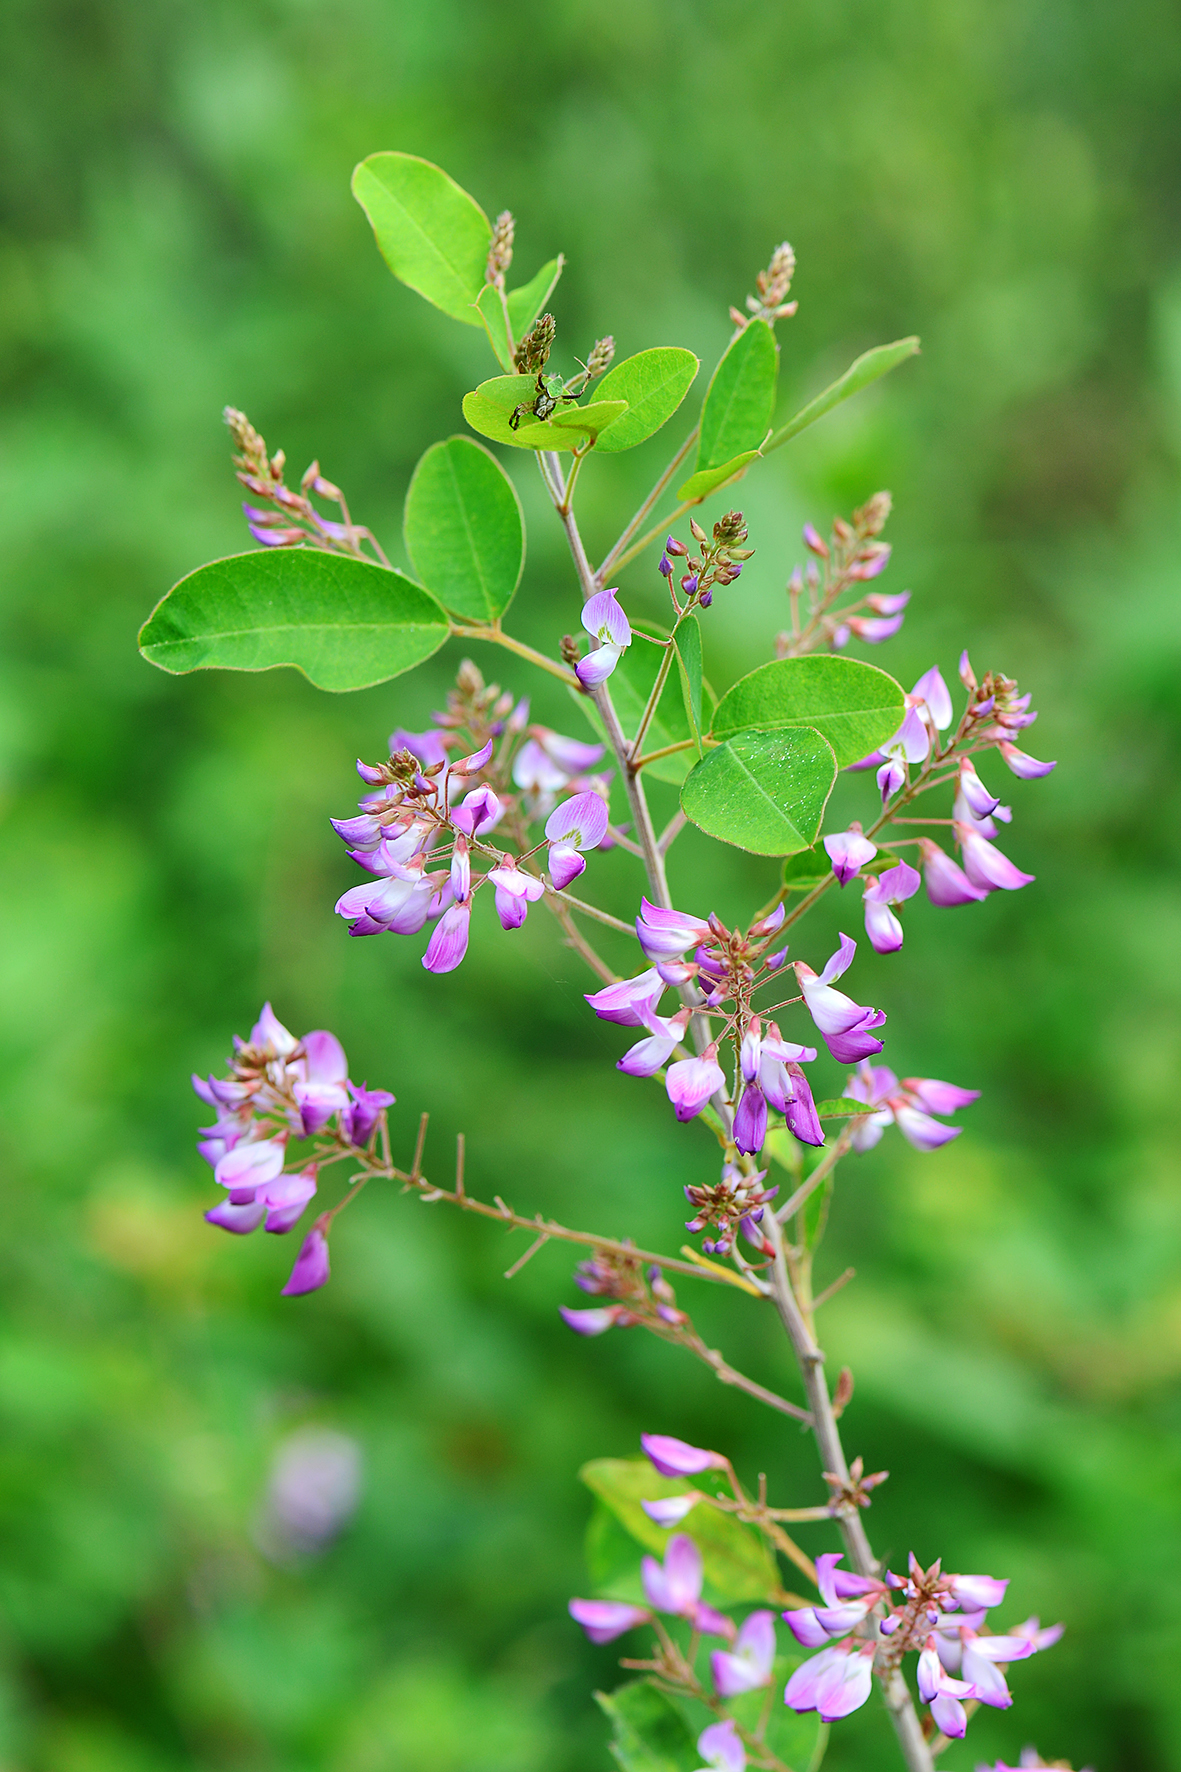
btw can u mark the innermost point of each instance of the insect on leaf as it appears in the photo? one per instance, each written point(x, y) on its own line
point(431, 233)
point(653, 383)
point(344, 623)
point(740, 398)
point(490, 407)
point(464, 530)
point(762, 791)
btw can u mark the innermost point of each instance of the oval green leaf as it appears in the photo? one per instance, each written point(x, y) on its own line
point(489, 408)
point(860, 373)
point(841, 1107)
point(699, 486)
point(490, 308)
point(648, 1733)
point(738, 1566)
point(464, 529)
point(855, 705)
point(653, 383)
point(740, 398)
point(763, 791)
point(344, 623)
point(431, 233)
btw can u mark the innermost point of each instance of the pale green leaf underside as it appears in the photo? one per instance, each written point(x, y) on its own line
point(763, 791)
point(740, 398)
point(464, 530)
point(653, 383)
point(700, 485)
point(344, 623)
point(855, 705)
point(431, 233)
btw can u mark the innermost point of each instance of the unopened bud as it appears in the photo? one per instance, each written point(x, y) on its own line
point(705, 599)
point(813, 543)
point(532, 354)
point(871, 518)
point(843, 1395)
point(673, 546)
point(500, 249)
point(698, 532)
point(599, 361)
point(730, 528)
point(570, 650)
point(469, 679)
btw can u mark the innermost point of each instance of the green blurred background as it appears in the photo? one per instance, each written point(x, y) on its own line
point(177, 233)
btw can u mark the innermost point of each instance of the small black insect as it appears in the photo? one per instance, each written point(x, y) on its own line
point(550, 390)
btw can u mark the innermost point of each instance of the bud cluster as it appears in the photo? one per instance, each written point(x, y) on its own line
point(532, 354)
point(500, 249)
point(294, 521)
point(772, 285)
point(851, 556)
point(719, 561)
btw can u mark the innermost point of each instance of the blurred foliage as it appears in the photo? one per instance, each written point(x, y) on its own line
point(177, 233)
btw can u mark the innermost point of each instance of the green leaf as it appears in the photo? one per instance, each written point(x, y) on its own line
point(344, 623)
point(699, 486)
point(653, 383)
point(763, 791)
point(738, 1565)
point(803, 872)
point(687, 640)
point(432, 235)
point(740, 398)
point(490, 308)
point(855, 705)
point(525, 303)
point(842, 1107)
point(866, 369)
point(650, 1735)
point(631, 684)
point(464, 530)
point(491, 405)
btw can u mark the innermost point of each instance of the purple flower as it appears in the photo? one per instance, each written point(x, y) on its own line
point(578, 823)
point(692, 1081)
point(720, 1747)
point(664, 934)
point(448, 943)
point(848, 1600)
point(750, 1121)
point(1021, 763)
point(848, 852)
point(846, 1026)
point(627, 1001)
point(647, 1056)
point(750, 1663)
point(311, 1268)
point(909, 1106)
point(813, 542)
point(979, 801)
point(893, 886)
point(834, 1683)
point(943, 1693)
point(945, 880)
point(676, 1458)
point(985, 866)
point(596, 1321)
point(605, 622)
point(873, 629)
point(427, 746)
point(887, 603)
point(321, 1090)
point(515, 892)
point(399, 903)
point(932, 690)
point(357, 1122)
point(479, 812)
point(977, 1590)
point(671, 1509)
point(604, 1620)
point(675, 1586)
point(251, 1164)
point(891, 777)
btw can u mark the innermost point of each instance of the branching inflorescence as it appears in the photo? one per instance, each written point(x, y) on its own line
point(727, 1019)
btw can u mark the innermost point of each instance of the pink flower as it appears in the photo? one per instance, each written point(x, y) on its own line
point(943, 1693)
point(676, 1458)
point(691, 1082)
point(448, 944)
point(671, 1509)
point(604, 1620)
point(515, 892)
point(605, 622)
point(848, 1600)
point(596, 1321)
point(892, 886)
point(984, 864)
point(578, 823)
point(979, 801)
point(846, 1026)
point(311, 1268)
point(322, 1090)
point(646, 1057)
point(627, 1001)
point(908, 1106)
point(932, 690)
point(664, 934)
point(675, 1586)
point(849, 851)
point(946, 881)
point(834, 1683)
point(720, 1747)
point(749, 1664)
point(1021, 763)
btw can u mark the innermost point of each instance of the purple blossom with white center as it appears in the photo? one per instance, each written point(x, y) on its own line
point(721, 1748)
point(845, 1026)
point(833, 1683)
point(604, 1620)
point(848, 852)
point(515, 892)
point(647, 1056)
point(311, 1270)
point(449, 938)
point(984, 864)
point(627, 1001)
point(932, 690)
point(675, 1586)
point(909, 1106)
point(1022, 764)
point(579, 823)
point(605, 622)
point(848, 1600)
point(692, 1081)
point(676, 1458)
point(398, 903)
point(892, 886)
point(750, 1663)
point(943, 1693)
point(945, 879)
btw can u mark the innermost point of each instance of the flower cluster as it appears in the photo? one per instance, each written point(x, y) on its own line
point(719, 561)
point(852, 556)
point(281, 1088)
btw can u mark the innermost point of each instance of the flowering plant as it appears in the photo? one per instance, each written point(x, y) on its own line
point(728, 1019)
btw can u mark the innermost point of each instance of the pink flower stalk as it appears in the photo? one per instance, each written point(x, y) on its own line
point(848, 852)
point(721, 1748)
point(311, 1270)
point(647, 1056)
point(676, 1458)
point(751, 1662)
point(604, 1620)
point(892, 886)
point(627, 1001)
point(515, 892)
point(1021, 763)
point(692, 1081)
point(605, 622)
point(909, 1106)
point(984, 864)
point(675, 1586)
point(834, 1683)
point(448, 944)
point(578, 823)
point(945, 879)
point(846, 1027)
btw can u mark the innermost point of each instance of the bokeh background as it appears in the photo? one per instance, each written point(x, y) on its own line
point(998, 175)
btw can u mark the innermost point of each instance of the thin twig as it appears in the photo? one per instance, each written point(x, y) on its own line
point(850, 1273)
point(538, 1242)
